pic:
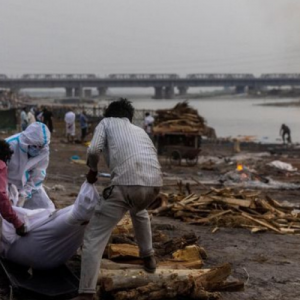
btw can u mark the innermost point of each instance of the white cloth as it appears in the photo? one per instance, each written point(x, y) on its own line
point(70, 117)
point(30, 117)
point(70, 129)
point(28, 174)
point(70, 123)
point(53, 236)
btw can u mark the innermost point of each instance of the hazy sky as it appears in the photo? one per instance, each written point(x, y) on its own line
point(121, 36)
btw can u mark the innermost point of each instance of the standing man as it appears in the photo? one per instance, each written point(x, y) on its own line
point(30, 116)
point(47, 118)
point(148, 123)
point(70, 126)
point(136, 179)
point(83, 125)
point(6, 211)
point(24, 118)
point(285, 131)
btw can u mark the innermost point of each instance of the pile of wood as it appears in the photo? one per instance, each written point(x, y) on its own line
point(230, 208)
point(179, 269)
point(181, 118)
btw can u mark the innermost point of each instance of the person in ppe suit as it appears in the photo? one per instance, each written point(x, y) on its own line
point(28, 164)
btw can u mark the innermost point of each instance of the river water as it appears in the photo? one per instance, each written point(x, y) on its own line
point(235, 116)
point(239, 116)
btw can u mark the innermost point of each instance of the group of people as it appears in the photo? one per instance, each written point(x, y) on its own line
point(70, 120)
point(29, 116)
point(24, 158)
point(136, 179)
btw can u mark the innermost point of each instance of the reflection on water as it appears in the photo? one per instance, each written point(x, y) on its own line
point(239, 116)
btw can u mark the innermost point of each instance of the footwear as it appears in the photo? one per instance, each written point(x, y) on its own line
point(149, 264)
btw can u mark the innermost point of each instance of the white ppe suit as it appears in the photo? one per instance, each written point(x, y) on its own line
point(28, 173)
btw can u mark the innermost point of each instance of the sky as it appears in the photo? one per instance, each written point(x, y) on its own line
point(149, 36)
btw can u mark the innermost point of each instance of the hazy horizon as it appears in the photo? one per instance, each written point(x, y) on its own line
point(143, 36)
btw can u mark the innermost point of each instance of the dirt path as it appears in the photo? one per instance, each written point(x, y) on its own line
point(269, 263)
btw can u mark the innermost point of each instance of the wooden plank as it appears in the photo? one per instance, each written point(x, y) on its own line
point(265, 224)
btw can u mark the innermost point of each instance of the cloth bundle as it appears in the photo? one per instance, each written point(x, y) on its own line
point(53, 235)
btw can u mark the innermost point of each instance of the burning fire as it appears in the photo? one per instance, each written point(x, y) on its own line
point(239, 167)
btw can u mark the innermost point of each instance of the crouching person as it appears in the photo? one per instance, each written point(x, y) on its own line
point(6, 210)
point(136, 179)
point(28, 165)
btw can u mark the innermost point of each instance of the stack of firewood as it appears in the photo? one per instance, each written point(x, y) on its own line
point(179, 269)
point(181, 118)
point(229, 208)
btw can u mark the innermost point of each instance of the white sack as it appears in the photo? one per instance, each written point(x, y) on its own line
point(54, 236)
point(282, 165)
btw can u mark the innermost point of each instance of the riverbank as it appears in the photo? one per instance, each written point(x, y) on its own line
point(268, 262)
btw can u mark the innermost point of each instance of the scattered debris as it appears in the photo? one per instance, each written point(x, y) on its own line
point(229, 208)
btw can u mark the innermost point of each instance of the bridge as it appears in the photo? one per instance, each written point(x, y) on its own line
point(164, 85)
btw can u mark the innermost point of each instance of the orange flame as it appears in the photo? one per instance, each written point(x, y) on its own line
point(239, 167)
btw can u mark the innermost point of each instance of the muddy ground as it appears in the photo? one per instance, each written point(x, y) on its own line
point(268, 263)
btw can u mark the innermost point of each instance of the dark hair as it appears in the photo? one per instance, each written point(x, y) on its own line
point(147, 114)
point(5, 151)
point(120, 109)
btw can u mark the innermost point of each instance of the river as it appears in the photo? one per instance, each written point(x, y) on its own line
point(240, 116)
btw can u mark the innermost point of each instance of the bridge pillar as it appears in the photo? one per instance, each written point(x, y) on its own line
point(169, 92)
point(102, 91)
point(159, 92)
point(87, 93)
point(240, 89)
point(78, 92)
point(182, 90)
point(69, 92)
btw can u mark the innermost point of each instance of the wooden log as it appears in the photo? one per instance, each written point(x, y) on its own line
point(163, 265)
point(156, 292)
point(232, 201)
point(176, 243)
point(263, 223)
point(122, 250)
point(189, 253)
point(212, 279)
point(127, 279)
point(178, 265)
point(210, 218)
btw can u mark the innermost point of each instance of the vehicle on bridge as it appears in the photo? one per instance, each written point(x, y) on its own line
point(58, 76)
point(281, 76)
point(219, 76)
point(143, 76)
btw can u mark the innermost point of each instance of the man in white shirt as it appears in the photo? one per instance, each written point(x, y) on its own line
point(24, 119)
point(70, 125)
point(136, 179)
point(148, 123)
point(30, 116)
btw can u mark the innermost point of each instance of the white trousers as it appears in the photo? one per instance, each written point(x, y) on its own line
point(105, 218)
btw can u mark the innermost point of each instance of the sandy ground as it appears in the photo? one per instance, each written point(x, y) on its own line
point(269, 263)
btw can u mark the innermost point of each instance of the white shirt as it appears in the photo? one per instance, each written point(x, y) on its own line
point(70, 117)
point(148, 123)
point(128, 151)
